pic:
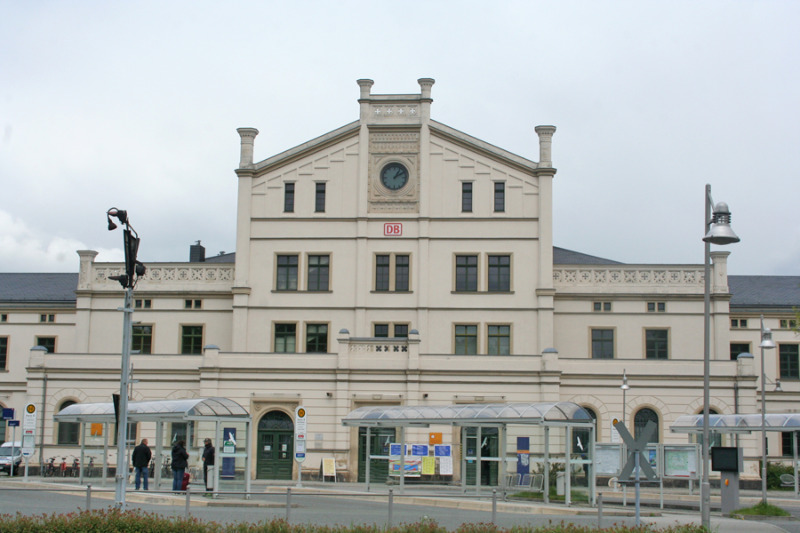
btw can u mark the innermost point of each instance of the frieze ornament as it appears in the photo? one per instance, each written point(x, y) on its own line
point(632, 276)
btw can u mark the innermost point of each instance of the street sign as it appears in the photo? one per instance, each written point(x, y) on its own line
point(300, 428)
point(29, 418)
point(13, 423)
point(637, 448)
point(8, 413)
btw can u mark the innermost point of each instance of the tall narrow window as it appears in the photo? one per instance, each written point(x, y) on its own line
point(68, 432)
point(382, 272)
point(191, 340)
point(656, 344)
point(316, 338)
point(3, 353)
point(319, 198)
point(401, 273)
point(499, 273)
point(286, 338)
point(499, 196)
point(466, 273)
point(602, 344)
point(47, 342)
point(466, 341)
point(318, 272)
point(287, 273)
point(288, 197)
point(466, 197)
point(499, 340)
point(142, 339)
point(788, 356)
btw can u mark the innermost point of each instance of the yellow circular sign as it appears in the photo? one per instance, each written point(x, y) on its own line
point(31, 408)
point(301, 412)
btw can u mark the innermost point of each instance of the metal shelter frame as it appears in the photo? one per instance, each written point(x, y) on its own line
point(215, 410)
point(745, 423)
point(564, 415)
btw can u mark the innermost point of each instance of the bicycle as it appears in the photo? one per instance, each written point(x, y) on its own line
point(76, 467)
point(90, 467)
point(49, 468)
point(63, 467)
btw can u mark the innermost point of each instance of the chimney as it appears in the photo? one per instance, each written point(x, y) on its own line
point(197, 253)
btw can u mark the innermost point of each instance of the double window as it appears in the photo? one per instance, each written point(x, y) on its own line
point(602, 343)
point(789, 360)
point(47, 318)
point(656, 343)
point(285, 338)
point(498, 268)
point(142, 339)
point(191, 340)
point(656, 307)
point(317, 274)
point(466, 341)
point(192, 304)
point(601, 307)
point(392, 272)
point(390, 330)
point(143, 303)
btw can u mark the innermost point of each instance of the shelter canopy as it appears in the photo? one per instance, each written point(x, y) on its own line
point(737, 423)
point(473, 414)
point(156, 410)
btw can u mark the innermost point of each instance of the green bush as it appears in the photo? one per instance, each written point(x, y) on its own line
point(774, 471)
point(113, 521)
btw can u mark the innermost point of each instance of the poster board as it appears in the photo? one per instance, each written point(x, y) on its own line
point(680, 461)
point(608, 459)
point(328, 467)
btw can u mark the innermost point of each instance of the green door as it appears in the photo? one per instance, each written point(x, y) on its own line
point(379, 440)
point(274, 451)
point(490, 441)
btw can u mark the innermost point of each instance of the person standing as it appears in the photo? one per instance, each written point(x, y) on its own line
point(141, 463)
point(208, 460)
point(180, 460)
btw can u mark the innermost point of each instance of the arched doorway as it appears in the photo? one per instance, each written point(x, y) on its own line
point(274, 449)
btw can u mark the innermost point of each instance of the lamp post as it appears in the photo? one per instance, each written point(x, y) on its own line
point(766, 344)
point(717, 231)
point(133, 271)
point(624, 388)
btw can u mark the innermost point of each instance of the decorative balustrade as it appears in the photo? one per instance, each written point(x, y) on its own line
point(680, 278)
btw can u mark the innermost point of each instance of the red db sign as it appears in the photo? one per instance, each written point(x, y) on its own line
point(392, 229)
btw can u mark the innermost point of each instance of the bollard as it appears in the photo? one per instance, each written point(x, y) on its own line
point(188, 501)
point(89, 497)
point(288, 503)
point(494, 506)
point(599, 510)
point(391, 504)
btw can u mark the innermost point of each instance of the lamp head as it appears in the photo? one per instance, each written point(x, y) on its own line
point(778, 386)
point(624, 385)
point(766, 339)
point(720, 231)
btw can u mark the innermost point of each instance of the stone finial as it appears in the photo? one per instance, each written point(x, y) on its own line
point(425, 85)
point(545, 134)
point(366, 86)
point(248, 136)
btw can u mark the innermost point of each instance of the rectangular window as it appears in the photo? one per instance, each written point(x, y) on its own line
point(499, 340)
point(738, 322)
point(466, 339)
point(656, 307)
point(401, 270)
point(286, 338)
point(47, 342)
point(466, 273)
point(319, 198)
point(141, 303)
point(4, 317)
point(601, 307)
point(499, 197)
point(287, 273)
point(3, 353)
point(787, 442)
point(401, 331)
point(47, 318)
point(739, 347)
point(191, 340)
point(789, 361)
point(656, 343)
point(316, 338)
point(142, 339)
point(466, 197)
point(788, 324)
point(499, 273)
point(382, 272)
point(381, 330)
point(192, 304)
point(602, 344)
point(288, 197)
point(318, 272)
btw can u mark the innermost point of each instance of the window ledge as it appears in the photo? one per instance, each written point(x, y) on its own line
point(482, 292)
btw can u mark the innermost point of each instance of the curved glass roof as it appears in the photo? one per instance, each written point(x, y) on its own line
point(737, 423)
point(551, 413)
point(183, 409)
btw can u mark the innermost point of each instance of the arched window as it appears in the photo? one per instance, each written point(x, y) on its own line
point(68, 432)
point(580, 436)
point(643, 416)
point(276, 420)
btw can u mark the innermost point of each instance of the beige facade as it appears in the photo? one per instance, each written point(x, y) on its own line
point(397, 261)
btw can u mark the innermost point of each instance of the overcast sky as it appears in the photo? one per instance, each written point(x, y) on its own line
point(136, 104)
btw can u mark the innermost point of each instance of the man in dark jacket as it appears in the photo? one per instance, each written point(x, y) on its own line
point(180, 460)
point(141, 463)
point(208, 460)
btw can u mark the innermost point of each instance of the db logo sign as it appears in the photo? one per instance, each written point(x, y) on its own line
point(392, 229)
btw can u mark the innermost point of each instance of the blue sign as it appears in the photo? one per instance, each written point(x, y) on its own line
point(394, 449)
point(419, 449)
point(228, 446)
point(441, 450)
point(13, 423)
point(8, 413)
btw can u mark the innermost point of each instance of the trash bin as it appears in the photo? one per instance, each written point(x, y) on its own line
point(560, 483)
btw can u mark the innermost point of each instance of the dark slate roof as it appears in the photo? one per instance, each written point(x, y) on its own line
point(38, 287)
point(764, 291)
point(562, 256)
point(222, 258)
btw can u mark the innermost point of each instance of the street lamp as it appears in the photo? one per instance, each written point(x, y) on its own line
point(624, 388)
point(133, 271)
point(717, 231)
point(766, 344)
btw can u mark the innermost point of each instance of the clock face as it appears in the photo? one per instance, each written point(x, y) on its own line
point(394, 176)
